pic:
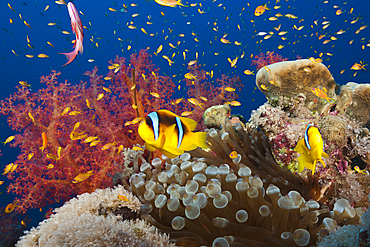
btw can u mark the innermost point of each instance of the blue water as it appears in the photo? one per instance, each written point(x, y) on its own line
point(225, 16)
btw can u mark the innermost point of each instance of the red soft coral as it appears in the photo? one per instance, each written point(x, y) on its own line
point(270, 58)
point(109, 118)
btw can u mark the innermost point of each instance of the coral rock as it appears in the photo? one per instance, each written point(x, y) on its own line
point(333, 129)
point(296, 78)
point(354, 100)
point(216, 115)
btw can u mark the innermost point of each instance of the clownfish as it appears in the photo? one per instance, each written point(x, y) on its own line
point(170, 133)
point(311, 148)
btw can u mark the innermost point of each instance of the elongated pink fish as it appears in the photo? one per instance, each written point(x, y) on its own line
point(77, 30)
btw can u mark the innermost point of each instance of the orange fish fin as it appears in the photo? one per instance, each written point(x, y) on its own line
point(304, 160)
point(325, 155)
point(158, 144)
point(168, 112)
point(201, 139)
point(299, 148)
point(172, 153)
point(194, 140)
point(149, 147)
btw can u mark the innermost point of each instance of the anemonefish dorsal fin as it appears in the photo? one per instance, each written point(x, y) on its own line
point(190, 123)
point(306, 136)
point(155, 120)
point(167, 112)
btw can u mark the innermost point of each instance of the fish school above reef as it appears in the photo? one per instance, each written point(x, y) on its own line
point(244, 190)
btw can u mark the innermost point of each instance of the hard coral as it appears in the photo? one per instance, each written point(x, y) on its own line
point(215, 116)
point(95, 219)
point(294, 78)
point(334, 129)
point(354, 100)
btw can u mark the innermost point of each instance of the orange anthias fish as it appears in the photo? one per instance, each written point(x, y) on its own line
point(169, 3)
point(77, 29)
point(82, 177)
point(44, 141)
point(358, 66)
point(9, 168)
point(170, 133)
point(260, 10)
point(10, 208)
point(321, 93)
point(123, 198)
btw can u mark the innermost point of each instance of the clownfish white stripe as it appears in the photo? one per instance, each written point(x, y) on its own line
point(306, 136)
point(155, 120)
point(181, 131)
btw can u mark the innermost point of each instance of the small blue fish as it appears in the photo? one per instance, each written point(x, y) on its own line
point(311, 149)
point(170, 133)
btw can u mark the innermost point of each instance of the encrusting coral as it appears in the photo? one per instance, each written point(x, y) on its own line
point(96, 219)
point(295, 78)
point(209, 199)
point(354, 100)
point(216, 115)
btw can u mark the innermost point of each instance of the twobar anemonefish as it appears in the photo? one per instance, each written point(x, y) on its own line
point(311, 148)
point(77, 30)
point(170, 133)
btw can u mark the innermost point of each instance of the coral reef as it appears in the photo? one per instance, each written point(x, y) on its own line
point(292, 106)
point(215, 116)
point(354, 100)
point(334, 129)
point(87, 124)
point(262, 60)
point(96, 219)
point(349, 235)
point(296, 78)
point(207, 198)
point(344, 139)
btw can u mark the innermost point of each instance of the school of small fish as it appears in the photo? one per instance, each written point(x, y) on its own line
point(288, 29)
